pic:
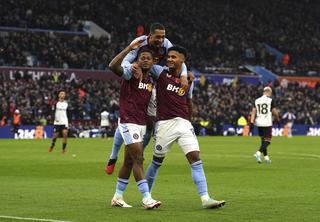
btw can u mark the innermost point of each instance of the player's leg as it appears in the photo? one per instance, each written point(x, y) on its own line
point(199, 179)
point(122, 182)
point(150, 126)
point(257, 155)
point(132, 135)
point(54, 138)
point(165, 135)
point(117, 142)
point(64, 141)
point(266, 138)
point(188, 143)
point(152, 170)
point(290, 124)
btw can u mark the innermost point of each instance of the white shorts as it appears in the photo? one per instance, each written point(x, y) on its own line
point(152, 107)
point(131, 133)
point(169, 131)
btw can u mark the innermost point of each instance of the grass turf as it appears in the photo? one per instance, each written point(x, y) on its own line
point(38, 184)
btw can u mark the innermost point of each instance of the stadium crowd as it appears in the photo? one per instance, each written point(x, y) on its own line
point(215, 104)
point(217, 33)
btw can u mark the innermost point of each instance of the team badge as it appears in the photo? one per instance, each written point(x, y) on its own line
point(135, 136)
point(149, 87)
point(158, 147)
point(181, 91)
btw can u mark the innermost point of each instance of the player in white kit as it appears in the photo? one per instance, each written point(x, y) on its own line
point(289, 117)
point(60, 122)
point(261, 116)
point(104, 123)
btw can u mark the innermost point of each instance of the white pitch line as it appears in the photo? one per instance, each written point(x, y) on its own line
point(32, 219)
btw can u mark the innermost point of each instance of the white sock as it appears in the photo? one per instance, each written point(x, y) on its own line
point(205, 197)
point(258, 153)
point(266, 158)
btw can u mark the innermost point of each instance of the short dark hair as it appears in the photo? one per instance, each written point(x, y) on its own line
point(61, 90)
point(179, 49)
point(155, 26)
point(145, 50)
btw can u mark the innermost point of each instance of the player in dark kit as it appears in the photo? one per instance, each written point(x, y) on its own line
point(158, 44)
point(174, 109)
point(135, 94)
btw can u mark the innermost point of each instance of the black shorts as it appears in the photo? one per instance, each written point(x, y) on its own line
point(59, 129)
point(265, 132)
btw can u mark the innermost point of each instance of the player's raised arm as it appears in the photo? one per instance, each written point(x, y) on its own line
point(132, 55)
point(115, 64)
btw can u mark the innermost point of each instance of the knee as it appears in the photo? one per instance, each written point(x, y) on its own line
point(138, 159)
point(193, 157)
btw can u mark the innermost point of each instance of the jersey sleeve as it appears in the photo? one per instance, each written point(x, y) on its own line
point(156, 70)
point(184, 71)
point(127, 74)
point(190, 91)
point(132, 55)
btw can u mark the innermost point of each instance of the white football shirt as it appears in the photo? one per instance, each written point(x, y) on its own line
point(264, 105)
point(60, 116)
point(104, 118)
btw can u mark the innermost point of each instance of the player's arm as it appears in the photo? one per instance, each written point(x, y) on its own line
point(275, 113)
point(253, 116)
point(189, 101)
point(132, 55)
point(115, 64)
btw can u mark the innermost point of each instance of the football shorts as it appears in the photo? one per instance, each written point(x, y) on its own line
point(169, 131)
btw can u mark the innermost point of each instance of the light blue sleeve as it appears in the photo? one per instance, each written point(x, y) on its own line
point(191, 91)
point(156, 70)
point(184, 71)
point(130, 57)
point(132, 54)
point(127, 74)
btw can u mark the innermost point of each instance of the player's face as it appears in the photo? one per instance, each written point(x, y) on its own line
point(157, 38)
point(174, 59)
point(145, 60)
point(62, 95)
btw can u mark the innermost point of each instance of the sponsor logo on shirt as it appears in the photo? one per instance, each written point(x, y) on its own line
point(146, 86)
point(180, 91)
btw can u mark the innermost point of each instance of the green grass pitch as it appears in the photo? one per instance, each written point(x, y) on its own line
point(38, 184)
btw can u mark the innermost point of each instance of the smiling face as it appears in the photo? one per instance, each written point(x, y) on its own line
point(175, 60)
point(157, 38)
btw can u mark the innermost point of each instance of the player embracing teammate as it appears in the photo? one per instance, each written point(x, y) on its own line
point(174, 109)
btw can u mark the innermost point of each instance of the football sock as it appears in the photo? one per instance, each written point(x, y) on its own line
point(53, 142)
point(117, 142)
point(64, 146)
point(152, 172)
point(263, 148)
point(143, 187)
point(199, 178)
point(146, 138)
point(121, 186)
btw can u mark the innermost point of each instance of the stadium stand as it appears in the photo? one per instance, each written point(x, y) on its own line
point(234, 34)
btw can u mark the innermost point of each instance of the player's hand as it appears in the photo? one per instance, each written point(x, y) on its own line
point(251, 125)
point(136, 70)
point(191, 77)
point(136, 44)
point(184, 82)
